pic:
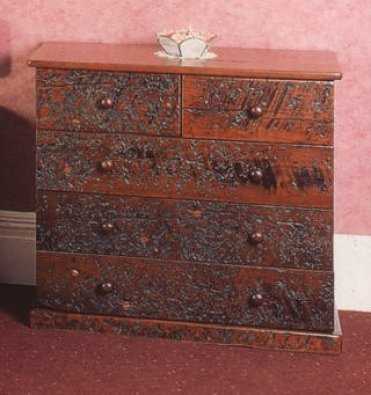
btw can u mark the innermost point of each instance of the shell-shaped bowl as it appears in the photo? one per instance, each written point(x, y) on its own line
point(185, 44)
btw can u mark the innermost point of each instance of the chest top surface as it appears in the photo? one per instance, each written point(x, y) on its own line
point(237, 62)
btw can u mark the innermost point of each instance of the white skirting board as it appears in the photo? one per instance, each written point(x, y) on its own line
point(353, 272)
point(17, 247)
point(352, 260)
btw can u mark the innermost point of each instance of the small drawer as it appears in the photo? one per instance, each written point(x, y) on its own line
point(258, 110)
point(218, 294)
point(184, 230)
point(108, 101)
point(239, 172)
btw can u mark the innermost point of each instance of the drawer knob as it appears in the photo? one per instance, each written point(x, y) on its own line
point(75, 273)
point(107, 227)
point(256, 238)
point(106, 103)
point(256, 111)
point(256, 175)
point(105, 288)
point(106, 165)
point(256, 299)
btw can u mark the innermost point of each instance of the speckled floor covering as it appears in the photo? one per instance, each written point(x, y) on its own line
point(52, 362)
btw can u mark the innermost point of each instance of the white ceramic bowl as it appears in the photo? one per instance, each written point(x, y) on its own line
point(185, 44)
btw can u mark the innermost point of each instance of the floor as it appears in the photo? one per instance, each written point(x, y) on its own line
point(51, 362)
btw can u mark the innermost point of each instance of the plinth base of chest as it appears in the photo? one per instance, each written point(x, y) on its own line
point(269, 339)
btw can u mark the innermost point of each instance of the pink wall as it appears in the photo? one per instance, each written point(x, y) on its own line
point(340, 25)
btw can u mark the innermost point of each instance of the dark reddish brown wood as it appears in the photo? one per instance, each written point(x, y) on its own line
point(260, 110)
point(109, 225)
point(111, 102)
point(267, 339)
point(185, 168)
point(219, 294)
point(281, 99)
point(167, 217)
point(236, 62)
point(195, 231)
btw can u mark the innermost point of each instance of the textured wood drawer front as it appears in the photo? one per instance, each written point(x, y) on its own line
point(231, 295)
point(194, 231)
point(106, 225)
point(258, 110)
point(132, 102)
point(167, 167)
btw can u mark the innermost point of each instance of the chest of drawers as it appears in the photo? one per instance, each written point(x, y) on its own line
point(189, 200)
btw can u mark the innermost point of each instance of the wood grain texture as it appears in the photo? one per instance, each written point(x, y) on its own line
point(194, 231)
point(219, 294)
point(266, 339)
point(184, 168)
point(139, 103)
point(186, 199)
point(291, 111)
point(251, 63)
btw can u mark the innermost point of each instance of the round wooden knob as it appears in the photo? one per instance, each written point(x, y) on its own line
point(256, 111)
point(256, 175)
point(106, 165)
point(105, 288)
point(106, 103)
point(256, 299)
point(107, 227)
point(256, 238)
point(75, 273)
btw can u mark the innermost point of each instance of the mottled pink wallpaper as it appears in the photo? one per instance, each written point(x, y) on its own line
point(340, 25)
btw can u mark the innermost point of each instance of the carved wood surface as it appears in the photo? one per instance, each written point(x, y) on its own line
point(219, 294)
point(195, 231)
point(184, 331)
point(191, 207)
point(292, 111)
point(186, 168)
point(140, 103)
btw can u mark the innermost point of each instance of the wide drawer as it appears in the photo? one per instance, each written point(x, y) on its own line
point(258, 110)
point(193, 231)
point(219, 294)
point(185, 168)
point(78, 100)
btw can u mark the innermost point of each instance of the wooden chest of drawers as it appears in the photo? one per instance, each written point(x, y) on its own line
point(190, 200)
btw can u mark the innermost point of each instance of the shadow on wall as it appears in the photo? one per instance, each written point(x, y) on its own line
point(5, 59)
point(17, 162)
point(17, 145)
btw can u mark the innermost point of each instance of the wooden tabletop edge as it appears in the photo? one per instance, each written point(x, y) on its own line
point(317, 65)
